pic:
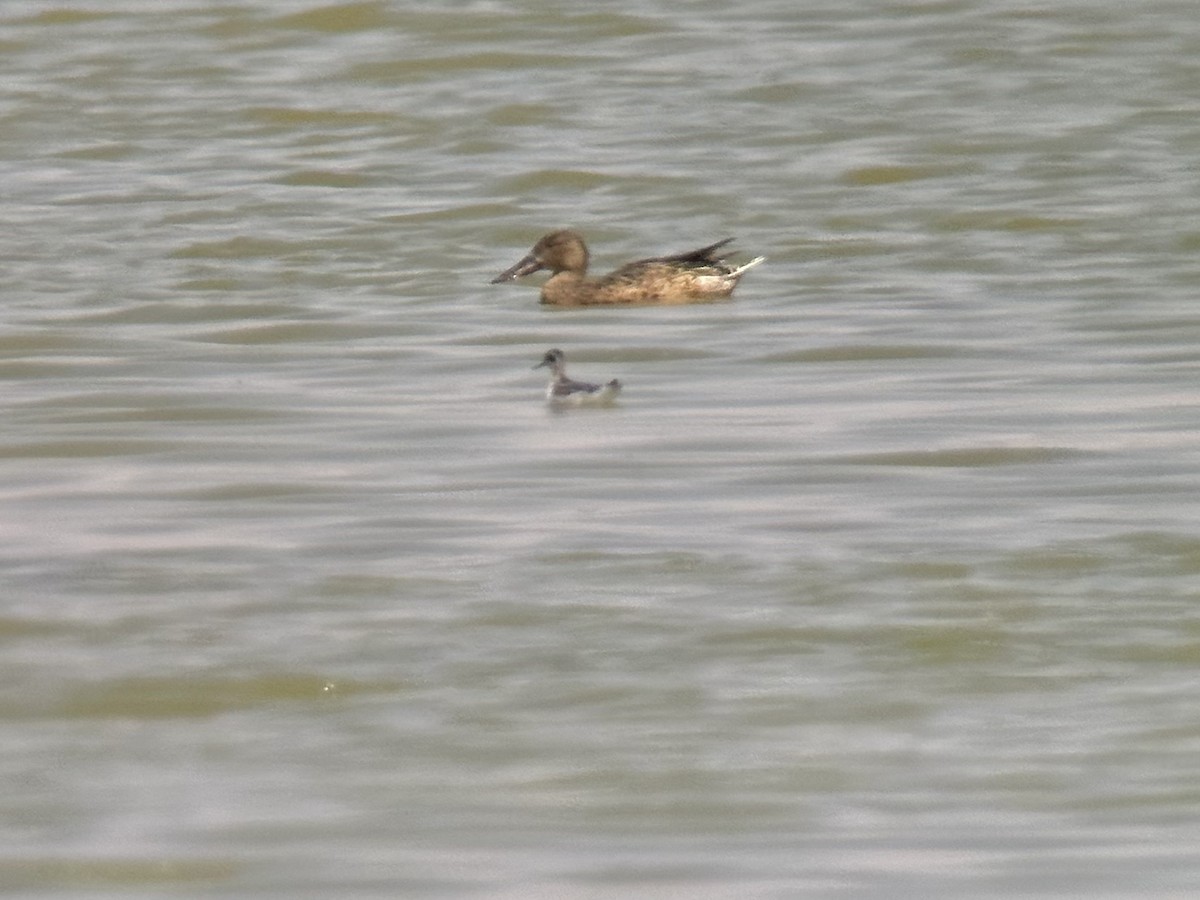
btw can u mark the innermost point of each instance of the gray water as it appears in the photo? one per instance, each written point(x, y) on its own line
point(881, 579)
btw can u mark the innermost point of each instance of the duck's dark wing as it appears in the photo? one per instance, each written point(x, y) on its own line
point(703, 258)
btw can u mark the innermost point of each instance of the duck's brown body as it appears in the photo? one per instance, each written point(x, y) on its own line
point(694, 277)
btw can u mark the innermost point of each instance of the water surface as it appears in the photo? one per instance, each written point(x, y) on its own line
point(879, 580)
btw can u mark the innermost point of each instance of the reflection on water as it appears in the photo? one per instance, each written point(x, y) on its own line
point(880, 576)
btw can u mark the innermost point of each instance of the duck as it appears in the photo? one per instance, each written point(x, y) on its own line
point(564, 390)
point(697, 276)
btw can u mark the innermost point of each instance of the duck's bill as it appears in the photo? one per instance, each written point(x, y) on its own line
point(526, 266)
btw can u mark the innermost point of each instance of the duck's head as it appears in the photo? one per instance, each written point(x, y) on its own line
point(559, 251)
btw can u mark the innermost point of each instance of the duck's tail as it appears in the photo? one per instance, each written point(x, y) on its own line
point(741, 270)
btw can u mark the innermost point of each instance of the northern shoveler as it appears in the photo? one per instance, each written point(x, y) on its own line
point(692, 277)
point(566, 390)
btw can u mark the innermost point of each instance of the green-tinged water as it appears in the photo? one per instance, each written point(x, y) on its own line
point(880, 580)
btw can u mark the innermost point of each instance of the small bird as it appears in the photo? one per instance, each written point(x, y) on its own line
point(693, 277)
point(564, 390)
